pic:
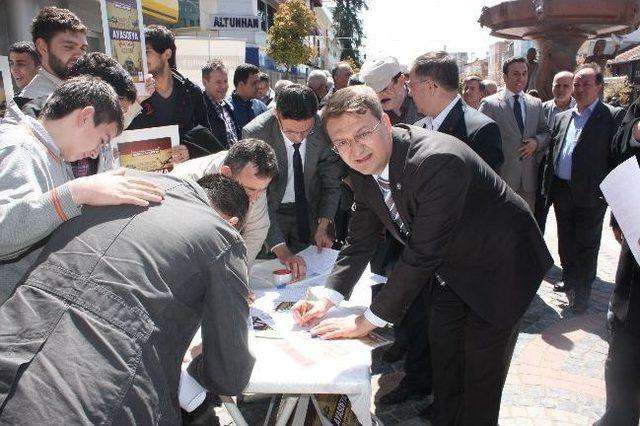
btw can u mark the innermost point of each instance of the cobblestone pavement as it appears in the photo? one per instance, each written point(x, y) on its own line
point(557, 372)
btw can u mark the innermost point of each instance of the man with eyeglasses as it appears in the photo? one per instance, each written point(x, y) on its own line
point(458, 221)
point(305, 197)
point(434, 87)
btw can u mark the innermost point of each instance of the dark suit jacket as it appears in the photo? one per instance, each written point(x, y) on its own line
point(323, 171)
point(97, 331)
point(218, 127)
point(476, 130)
point(465, 224)
point(591, 160)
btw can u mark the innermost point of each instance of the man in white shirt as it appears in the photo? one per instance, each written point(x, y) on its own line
point(252, 163)
point(304, 199)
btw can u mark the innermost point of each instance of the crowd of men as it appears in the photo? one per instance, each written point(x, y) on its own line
point(106, 273)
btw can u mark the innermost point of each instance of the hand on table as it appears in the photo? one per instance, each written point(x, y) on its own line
point(305, 311)
point(294, 263)
point(350, 327)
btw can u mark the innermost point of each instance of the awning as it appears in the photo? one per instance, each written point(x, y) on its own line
point(162, 11)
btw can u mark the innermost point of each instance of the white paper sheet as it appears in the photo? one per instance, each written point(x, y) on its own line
point(621, 189)
point(319, 263)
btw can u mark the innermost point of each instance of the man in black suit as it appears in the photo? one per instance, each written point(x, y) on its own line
point(458, 221)
point(303, 200)
point(622, 368)
point(580, 159)
point(434, 83)
point(434, 88)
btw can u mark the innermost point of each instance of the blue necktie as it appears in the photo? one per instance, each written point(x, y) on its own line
point(302, 215)
point(517, 111)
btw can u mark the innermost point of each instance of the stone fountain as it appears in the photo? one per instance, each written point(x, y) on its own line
point(559, 28)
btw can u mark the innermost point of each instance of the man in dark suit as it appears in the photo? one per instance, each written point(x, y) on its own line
point(434, 83)
point(304, 198)
point(434, 88)
point(458, 221)
point(622, 368)
point(96, 332)
point(579, 160)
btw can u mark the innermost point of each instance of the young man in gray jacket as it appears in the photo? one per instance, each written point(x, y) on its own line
point(37, 190)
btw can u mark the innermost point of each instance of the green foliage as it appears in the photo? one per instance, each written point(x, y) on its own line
point(348, 28)
point(292, 24)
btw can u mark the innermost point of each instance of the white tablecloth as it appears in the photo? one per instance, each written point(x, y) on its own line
point(310, 365)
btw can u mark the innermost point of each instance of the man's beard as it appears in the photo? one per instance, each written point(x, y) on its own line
point(58, 67)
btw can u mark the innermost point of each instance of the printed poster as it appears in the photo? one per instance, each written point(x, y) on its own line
point(124, 37)
point(148, 150)
point(6, 88)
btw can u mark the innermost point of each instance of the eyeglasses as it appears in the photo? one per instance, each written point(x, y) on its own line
point(393, 83)
point(343, 146)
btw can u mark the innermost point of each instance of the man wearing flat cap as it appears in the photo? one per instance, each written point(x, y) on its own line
point(387, 78)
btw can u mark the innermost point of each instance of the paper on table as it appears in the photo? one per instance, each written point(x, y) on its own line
point(319, 263)
point(621, 190)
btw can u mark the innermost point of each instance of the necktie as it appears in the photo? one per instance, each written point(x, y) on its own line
point(391, 205)
point(302, 216)
point(517, 111)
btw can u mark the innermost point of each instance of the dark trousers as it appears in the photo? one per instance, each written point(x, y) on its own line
point(414, 331)
point(622, 376)
point(286, 217)
point(410, 335)
point(470, 359)
point(579, 233)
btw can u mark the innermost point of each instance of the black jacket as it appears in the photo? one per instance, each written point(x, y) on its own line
point(191, 110)
point(218, 128)
point(476, 130)
point(591, 160)
point(466, 225)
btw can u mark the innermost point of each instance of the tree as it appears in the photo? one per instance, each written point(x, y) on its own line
point(292, 24)
point(348, 27)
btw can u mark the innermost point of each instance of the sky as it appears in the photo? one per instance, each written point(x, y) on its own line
point(408, 28)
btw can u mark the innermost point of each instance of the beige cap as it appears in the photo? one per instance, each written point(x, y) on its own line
point(378, 73)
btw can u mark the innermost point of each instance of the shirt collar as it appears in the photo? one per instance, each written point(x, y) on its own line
point(509, 94)
point(56, 80)
point(41, 133)
point(384, 174)
point(588, 110)
point(439, 119)
point(288, 142)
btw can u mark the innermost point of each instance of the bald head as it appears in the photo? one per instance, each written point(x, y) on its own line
point(562, 88)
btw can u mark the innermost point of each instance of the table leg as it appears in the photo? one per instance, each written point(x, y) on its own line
point(288, 403)
point(234, 411)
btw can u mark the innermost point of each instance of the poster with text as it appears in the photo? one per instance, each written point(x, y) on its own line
point(148, 150)
point(124, 37)
point(6, 89)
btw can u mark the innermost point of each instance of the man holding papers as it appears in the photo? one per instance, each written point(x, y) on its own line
point(458, 220)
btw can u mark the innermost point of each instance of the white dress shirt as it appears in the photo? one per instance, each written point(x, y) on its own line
point(289, 191)
point(435, 123)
